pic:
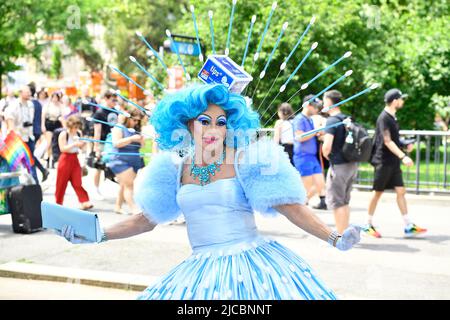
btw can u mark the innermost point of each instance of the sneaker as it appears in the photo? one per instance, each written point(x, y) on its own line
point(370, 230)
point(413, 230)
point(321, 206)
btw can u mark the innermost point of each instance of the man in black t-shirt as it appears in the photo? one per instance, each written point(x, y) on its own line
point(386, 159)
point(101, 130)
point(341, 174)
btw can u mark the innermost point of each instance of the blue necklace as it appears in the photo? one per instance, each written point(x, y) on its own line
point(204, 173)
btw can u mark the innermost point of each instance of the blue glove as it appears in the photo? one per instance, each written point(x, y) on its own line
point(68, 232)
point(349, 238)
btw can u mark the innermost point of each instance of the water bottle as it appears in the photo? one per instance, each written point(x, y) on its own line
point(349, 138)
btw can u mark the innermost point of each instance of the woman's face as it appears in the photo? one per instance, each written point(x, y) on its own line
point(42, 95)
point(133, 122)
point(55, 99)
point(210, 127)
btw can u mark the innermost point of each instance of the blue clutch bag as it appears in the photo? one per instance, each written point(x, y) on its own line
point(85, 224)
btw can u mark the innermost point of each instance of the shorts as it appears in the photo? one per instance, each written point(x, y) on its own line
point(118, 166)
point(307, 165)
point(52, 125)
point(387, 177)
point(339, 184)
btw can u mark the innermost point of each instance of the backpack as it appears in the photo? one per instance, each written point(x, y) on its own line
point(358, 145)
point(56, 152)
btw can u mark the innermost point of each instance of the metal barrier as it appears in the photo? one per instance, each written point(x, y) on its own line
point(431, 170)
point(430, 173)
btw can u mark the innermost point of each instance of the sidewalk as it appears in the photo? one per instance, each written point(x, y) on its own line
point(387, 268)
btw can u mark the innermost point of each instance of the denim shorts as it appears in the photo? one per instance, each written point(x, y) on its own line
point(119, 166)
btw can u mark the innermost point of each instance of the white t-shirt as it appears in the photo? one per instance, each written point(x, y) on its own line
point(287, 132)
point(21, 112)
point(53, 111)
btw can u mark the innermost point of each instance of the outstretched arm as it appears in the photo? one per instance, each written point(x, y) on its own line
point(304, 218)
point(132, 226)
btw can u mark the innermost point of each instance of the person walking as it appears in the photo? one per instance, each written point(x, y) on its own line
point(126, 160)
point(69, 168)
point(101, 130)
point(19, 116)
point(386, 159)
point(342, 173)
point(52, 116)
point(37, 130)
point(306, 150)
point(218, 186)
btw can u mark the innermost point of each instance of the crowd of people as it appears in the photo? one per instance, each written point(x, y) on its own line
point(54, 123)
point(69, 134)
point(320, 155)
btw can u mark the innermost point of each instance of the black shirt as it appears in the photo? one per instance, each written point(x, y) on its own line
point(386, 124)
point(338, 132)
point(105, 116)
point(83, 105)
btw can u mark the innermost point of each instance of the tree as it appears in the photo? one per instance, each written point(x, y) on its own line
point(399, 44)
point(24, 21)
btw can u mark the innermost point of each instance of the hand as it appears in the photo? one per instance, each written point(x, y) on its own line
point(407, 161)
point(409, 147)
point(136, 138)
point(68, 232)
point(349, 238)
point(80, 144)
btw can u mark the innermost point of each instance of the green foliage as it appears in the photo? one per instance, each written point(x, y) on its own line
point(393, 43)
point(55, 70)
point(442, 107)
point(23, 22)
point(396, 43)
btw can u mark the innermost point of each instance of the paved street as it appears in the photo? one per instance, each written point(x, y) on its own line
point(387, 268)
point(21, 289)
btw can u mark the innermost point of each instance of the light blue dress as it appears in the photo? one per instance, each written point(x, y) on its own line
point(230, 259)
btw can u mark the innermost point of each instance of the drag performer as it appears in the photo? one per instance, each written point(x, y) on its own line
point(222, 179)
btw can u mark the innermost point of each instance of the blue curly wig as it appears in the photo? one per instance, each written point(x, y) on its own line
point(173, 112)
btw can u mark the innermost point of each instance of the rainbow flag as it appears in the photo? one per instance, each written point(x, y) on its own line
point(16, 152)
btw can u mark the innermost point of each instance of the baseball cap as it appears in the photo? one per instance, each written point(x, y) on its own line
point(393, 94)
point(316, 102)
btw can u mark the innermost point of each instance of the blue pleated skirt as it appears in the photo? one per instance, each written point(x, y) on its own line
point(259, 270)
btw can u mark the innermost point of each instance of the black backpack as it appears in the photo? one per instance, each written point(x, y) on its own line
point(56, 152)
point(358, 145)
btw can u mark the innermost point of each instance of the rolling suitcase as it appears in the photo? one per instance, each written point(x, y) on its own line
point(25, 205)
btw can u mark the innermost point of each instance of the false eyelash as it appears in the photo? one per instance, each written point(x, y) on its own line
point(204, 118)
point(221, 119)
